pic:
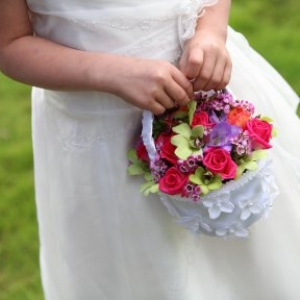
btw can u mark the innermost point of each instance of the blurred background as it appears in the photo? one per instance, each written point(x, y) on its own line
point(272, 28)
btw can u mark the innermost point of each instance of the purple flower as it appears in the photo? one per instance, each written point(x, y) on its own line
point(222, 135)
point(192, 191)
point(214, 118)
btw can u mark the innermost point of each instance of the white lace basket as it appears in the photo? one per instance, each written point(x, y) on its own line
point(228, 211)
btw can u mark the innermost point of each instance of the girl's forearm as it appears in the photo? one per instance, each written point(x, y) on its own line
point(215, 18)
point(35, 61)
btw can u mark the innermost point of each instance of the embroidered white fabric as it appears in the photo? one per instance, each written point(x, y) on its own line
point(228, 211)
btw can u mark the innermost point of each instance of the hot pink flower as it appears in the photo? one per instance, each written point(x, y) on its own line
point(260, 132)
point(201, 118)
point(167, 149)
point(172, 182)
point(218, 161)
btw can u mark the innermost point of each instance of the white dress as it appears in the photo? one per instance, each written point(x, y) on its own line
point(100, 238)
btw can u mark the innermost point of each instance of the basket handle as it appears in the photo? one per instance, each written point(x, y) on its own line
point(147, 134)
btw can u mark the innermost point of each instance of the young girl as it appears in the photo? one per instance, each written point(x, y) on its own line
point(96, 65)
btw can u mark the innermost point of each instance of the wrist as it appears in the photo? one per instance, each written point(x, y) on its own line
point(103, 71)
point(215, 32)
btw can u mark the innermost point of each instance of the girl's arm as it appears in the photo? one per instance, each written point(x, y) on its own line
point(205, 58)
point(148, 84)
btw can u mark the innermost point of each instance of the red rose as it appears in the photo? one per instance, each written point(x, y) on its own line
point(167, 150)
point(218, 161)
point(201, 118)
point(172, 182)
point(142, 153)
point(260, 132)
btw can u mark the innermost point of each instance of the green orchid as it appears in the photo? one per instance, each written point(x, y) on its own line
point(192, 108)
point(149, 187)
point(250, 162)
point(185, 139)
point(206, 180)
point(137, 167)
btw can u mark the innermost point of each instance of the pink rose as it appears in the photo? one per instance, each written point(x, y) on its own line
point(260, 132)
point(172, 182)
point(218, 161)
point(167, 150)
point(201, 118)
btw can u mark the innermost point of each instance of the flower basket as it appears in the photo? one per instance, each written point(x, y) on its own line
point(208, 163)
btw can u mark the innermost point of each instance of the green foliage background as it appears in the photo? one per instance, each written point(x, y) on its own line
point(272, 27)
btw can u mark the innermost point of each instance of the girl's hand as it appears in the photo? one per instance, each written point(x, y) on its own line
point(206, 62)
point(154, 85)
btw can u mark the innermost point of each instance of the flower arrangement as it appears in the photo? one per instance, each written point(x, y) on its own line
point(198, 149)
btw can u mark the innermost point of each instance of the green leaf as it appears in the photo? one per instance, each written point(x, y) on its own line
point(132, 156)
point(215, 183)
point(183, 152)
point(148, 176)
point(267, 119)
point(200, 172)
point(135, 169)
point(248, 165)
point(179, 140)
point(258, 154)
point(204, 189)
point(251, 165)
point(195, 179)
point(181, 115)
point(274, 132)
point(192, 108)
point(154, 188)
point(183, 129)
point(149, 187)
point(198, 131)
point(145, 188)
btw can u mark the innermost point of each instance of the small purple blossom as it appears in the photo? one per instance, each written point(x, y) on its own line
point(190, 164)
point(246, 105)
point(183, 166)
point(158, 169)
point(192, 191)
point(214, 118)
point(222, 135)
point(242, 144)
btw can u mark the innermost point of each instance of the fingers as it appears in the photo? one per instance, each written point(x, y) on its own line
point(172, 88)
point(158, 85)
point(206, 73)
point(214, 74)
point(191, 64)
point(218, 74)
point(226, 76)
point(165, 100)
point(157, 108)
point(181, 91)
point(207, 66)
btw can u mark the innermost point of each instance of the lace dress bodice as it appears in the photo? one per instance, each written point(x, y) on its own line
point(127, 27)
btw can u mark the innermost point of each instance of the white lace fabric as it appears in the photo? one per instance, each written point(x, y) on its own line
point(149, 28)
